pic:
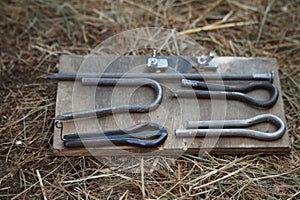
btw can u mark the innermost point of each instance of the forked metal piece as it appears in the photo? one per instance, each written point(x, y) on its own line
point(217, 91)
point(138, 135)
point(234, 128)
point(101, 112)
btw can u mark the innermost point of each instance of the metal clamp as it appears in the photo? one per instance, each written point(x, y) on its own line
point(155, 64)
point(101, 112)
point(218, 91)
point(133, 136)
point(233, 128)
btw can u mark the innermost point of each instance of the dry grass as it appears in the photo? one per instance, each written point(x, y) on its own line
point(35, 33)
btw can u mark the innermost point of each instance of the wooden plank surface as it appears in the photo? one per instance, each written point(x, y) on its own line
point(172, 113)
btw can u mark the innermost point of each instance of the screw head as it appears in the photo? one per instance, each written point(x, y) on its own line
point(152, 62)
point(202, 60)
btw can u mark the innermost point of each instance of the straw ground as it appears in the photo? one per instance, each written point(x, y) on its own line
point(35, 33)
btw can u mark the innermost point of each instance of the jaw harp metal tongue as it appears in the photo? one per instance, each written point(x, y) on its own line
point(234, 128)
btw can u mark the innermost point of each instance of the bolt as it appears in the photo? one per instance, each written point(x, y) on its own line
point(154, 53)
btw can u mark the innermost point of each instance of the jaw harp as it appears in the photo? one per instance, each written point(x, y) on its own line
point(138, 135)
point(234, 128)
point(102, 112)
point(207, 90)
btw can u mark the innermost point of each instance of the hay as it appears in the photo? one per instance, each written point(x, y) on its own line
point(35, 33)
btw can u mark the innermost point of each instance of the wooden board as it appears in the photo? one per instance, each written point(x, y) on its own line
point(172, 113)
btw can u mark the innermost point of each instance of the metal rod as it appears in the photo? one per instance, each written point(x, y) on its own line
point(218, 91)
point(166, 76)
point(233, 128)
point(101, 112)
